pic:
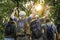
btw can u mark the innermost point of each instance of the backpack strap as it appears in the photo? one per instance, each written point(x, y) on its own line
point(38, 24)
point(23, 22)
point(51, 25)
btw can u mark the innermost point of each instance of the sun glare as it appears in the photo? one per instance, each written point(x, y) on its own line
point(38, 7)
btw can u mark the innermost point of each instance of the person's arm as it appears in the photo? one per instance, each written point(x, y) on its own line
point(43, 27)
point(55, 32)
point(3, 20)
point(29, 19)
point(4, 23)
point(13, 13)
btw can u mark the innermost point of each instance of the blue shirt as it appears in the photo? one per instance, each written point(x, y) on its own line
point(29, 19)
point(15, 18)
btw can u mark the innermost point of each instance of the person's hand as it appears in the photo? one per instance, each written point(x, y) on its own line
point(15, 8)
point(16, 12)
point(13, 13)
point(3, 20)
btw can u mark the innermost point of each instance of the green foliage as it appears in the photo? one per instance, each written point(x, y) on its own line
point(6, 10)
point(55, 14)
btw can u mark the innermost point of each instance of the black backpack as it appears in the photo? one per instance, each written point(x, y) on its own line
point(36, 29)
point(50, 34)
point(10, 29)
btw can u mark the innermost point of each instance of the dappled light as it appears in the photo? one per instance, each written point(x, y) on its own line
point(36, 9)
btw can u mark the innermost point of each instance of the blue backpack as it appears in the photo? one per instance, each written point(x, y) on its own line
point(36, 29)
point(49, 31)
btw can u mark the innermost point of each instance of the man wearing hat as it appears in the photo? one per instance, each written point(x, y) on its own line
point(22, 29)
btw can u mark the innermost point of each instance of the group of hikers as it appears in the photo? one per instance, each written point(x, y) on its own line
point(29, 28)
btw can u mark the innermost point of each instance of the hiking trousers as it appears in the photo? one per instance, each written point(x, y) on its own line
point(23, 38)
point(50, 38)
point(41, 38)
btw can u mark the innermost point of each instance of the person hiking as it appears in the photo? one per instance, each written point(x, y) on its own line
point(51, 30)
point(22, 29)
point(9, 33)
point(34, 20)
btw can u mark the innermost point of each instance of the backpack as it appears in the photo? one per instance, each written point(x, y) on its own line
point(10, 29)
point(36, 29)
point(49, 31)
point(20, 29)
